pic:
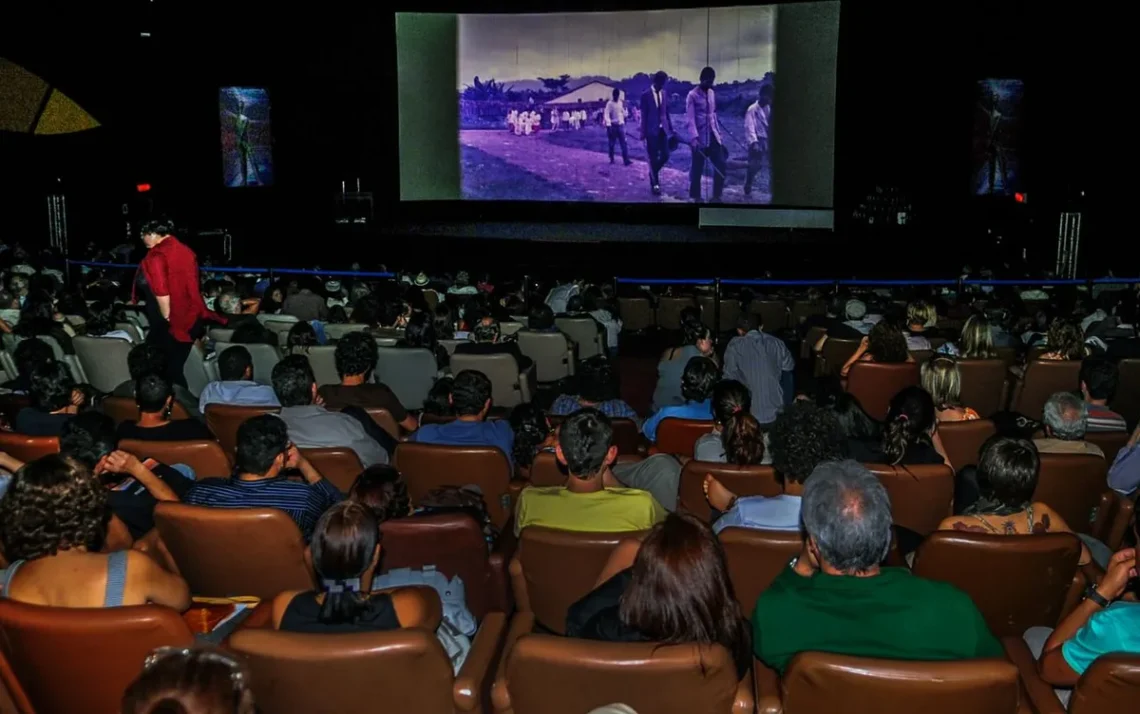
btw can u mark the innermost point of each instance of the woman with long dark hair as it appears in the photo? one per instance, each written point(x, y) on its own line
point(910, 434)
point(346, 553)
point(736, 437)
point(671, 589)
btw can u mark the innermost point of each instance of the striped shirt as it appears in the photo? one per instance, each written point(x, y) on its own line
point(567, 404)
point(303, 502)
point(1104, 419)
point(758, 360)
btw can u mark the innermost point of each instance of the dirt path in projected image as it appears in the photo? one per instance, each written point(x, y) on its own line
point(590, 171)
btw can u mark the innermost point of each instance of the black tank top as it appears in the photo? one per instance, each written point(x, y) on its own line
point(303, 615)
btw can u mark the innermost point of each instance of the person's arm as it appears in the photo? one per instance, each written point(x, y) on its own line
point(281, 604)
point(649, 428)
point(295, 460)
point(732, 369)
point(409, 423)
point(818, 346)
point(120, 462)
point(859, 352)
point(157, 586)
point(118, 536)
point(606, 116)
point(691, 120)
point(417, 607)
point(1124, 475)
point(750, 127)
point(1055, 664)
point(621, 558)
point(9, 463)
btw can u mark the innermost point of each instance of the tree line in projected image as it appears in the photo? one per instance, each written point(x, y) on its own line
point(539, 119)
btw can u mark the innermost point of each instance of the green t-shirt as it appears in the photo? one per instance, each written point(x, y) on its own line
point(893, 615)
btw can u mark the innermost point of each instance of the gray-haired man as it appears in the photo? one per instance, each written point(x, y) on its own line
point(1066, 421)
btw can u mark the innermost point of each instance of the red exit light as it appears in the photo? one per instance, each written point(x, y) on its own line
point(144, 187)
point(1019, 197)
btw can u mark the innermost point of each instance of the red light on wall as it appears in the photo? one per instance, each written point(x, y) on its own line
point(1019, 197)
point(144, 187)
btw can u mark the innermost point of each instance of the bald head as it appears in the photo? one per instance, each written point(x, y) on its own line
point(847, 513)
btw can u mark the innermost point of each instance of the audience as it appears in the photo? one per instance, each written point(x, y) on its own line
point(533, 434)
point(355, 356)
point(190, 681)
point(597, 388)
point(263, 454)
point(28, 355)
point(943, 380)
point(383, 491)
point(697, 381)
point(487, 340)
point(236, 387)
point(910, 433)
point(885, 344)
point(154, 396)
point(837, 598)
point(471, 399)
point(670, 370)
point(1099, 378)
point(147, 359)
point(736, 437)
point(1066, 421)
point(763, 363)
point(55, 401)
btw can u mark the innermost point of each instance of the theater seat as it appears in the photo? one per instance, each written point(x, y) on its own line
point(963, 440)
point(755, 557)
point(203, 455)
point(741, 480)
point(552, 353)
point(509, 386)
point(27, 448)
point(224, 420)
point(921, 494)
point(429, 466)
point(985, 385)
point(339, 465)
point(1110, 442)
point(874, 384)
point(1041, 380)
point(1110, 684)
point(679, 436)
point(636, 314)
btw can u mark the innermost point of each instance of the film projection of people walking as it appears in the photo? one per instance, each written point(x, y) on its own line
point(622, 107)
point(247, 143)
point(996, 154)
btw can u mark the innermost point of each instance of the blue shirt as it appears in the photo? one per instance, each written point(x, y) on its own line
point(774, 513)
point(613, 408)
point(303, 502)
point(240, 392)
point(688, 410)
point(1114, 629)
point(493, 432)
point(1124, 476)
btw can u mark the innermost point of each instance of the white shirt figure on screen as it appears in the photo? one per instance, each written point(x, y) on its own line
point(614, 114)
point(566, 118)
point(756, 124)
point(553, 119)
point(512, 119)
point(536, 120)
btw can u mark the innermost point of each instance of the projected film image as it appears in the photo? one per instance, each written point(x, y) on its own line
point(624, 107)
point(997, 137)
point(247, 143)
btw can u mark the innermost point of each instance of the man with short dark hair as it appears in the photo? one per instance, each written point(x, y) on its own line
point(29, 354)
point(471, 399)
point(355, 356)
point(237, 388)
point(147, 359)
point(1099, 377)
point(155, 400)
point(313, 426)
point(836, 598)
point(706, 142)
point(592, 499)
point(54, 401)
point(263, 453)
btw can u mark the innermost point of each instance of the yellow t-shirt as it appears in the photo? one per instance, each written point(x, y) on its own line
point(609, 510)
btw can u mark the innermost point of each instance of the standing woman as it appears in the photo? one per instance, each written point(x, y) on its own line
point(167, 280)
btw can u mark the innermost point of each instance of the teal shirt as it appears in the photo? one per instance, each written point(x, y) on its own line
point(893, 615)
point(1114, 629)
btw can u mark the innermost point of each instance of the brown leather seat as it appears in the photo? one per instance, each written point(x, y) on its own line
point(1110, 442)
point(874, 384)
point(636, 314)
point(773, 315)
point(454, 544)
point(669, 311)
point(385, 421)
point(552, 569)
point(963, 440)
point(816, 682)
point(224, 420)
point(27, 448)
point(741, 480)
point(627, 436)
point(224, 552)
point(203, 455)
point(1042, 379)
point(429, 466)
point(546, 470)
point(679, 436)
point(834, 355)
point(755, 557)
point(1072, 485)
point(543, 674)
point(985, 385)
point(1017, 581)
point(1110, 684)
point(122, 409)
point(809, 340)
point(340, 465)
point(921, 494)
point(71, 660)
point(405, 671)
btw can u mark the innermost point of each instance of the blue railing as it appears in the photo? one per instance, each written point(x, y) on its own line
point(281, 271)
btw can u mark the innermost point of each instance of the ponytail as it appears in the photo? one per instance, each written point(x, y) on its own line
point(742, 439)
point(343, 602)
point(895, 440)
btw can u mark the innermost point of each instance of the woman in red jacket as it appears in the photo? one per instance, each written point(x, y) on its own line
point(167, 280)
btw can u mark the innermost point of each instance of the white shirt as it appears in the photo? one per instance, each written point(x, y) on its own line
point(756, 123)
point(615, 113)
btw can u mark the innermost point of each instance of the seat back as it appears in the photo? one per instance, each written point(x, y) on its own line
point(553, 358)
point(1126, 402)
point(558, 675)
point(586, 333)
point(1110, 442)
point(669, 311)
point(507, 387)
point(70, 660)
point(627, 435)
point(203, 455)
point(429, 466)
point(340, 465)
point(741, 480)
point(1036, 574)
point(679, 436)
point(406, 670)
point(984, 385)
point(409, 372)
point(818, 682)
point(963, 440)
point(265, 358)
point(27, 448)
point(221, 334)
point(223, 552)
point(385, 421)
point(1072, 484)
point(509, 327)
point(803, 309)
point(451, 542)
point(636, 314)
point(120, 409)
point(755, 557)
point(1042, 379)
point(322, 360)
point(104, 360)
point(773, 314)
point(921, 494)
point(224, 420)
point(729, 313)
point(336, 332)
point(1110, 684)
point(874, 384)
point(199, 371)
point(835, 353)
point(552, 569)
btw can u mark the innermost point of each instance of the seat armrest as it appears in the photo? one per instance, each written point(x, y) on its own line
point(1041, 694)
point(767, 685)
point(744, 702)
point(499, 564)
point(474, 678)
point(260, 618)
point(1119, 522)
point(521, 624)
point(1106, 509)
point(527, 382)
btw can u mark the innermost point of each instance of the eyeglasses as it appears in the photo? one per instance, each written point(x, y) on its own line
point(185, 654)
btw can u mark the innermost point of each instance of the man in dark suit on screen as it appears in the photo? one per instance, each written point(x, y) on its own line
point(656, 128)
